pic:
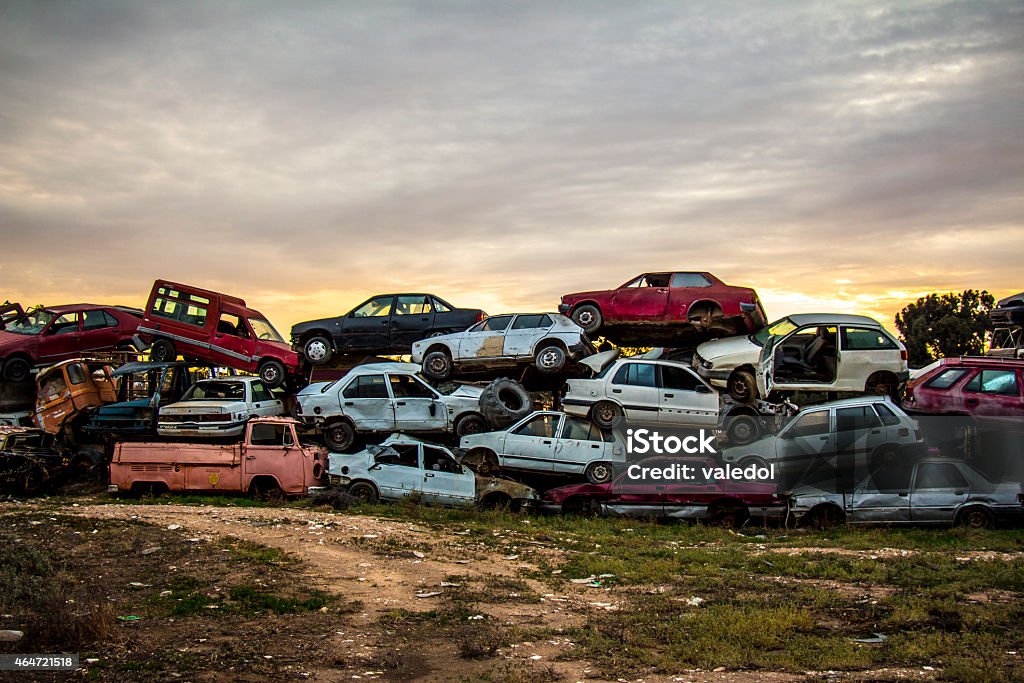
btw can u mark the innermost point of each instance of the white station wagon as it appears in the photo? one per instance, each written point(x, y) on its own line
point(548, 340)
point(387, 397)
point(547, 442)
point(218, 407)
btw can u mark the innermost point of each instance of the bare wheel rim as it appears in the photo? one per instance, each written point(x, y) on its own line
point(270, 374)
point(739, 389)
point(606, 413)
point(438, 365)
point(600, 472)
point(585, 318)
point(549, 358)
point(316, 350)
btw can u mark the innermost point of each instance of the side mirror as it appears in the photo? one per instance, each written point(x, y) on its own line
point(433, 408)
point(702, 389)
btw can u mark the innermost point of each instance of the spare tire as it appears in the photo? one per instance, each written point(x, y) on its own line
point(505, 401)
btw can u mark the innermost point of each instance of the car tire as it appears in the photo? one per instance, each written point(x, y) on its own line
point(976, 517)
point(339, 436)
point(17, 369)
point(470, 424)
point(742, 386)
point(728, 515)
point(824, 517)
point(605, 413)
point(272, 373)
point(162, 351)
point(883, 456)
point(550, 359)
point(438, 365)
point(588, 316)
point(742, 429)
point(505, 401)
point(317, 350)
point(599, 472)
point(758, 462)
point(364, 492)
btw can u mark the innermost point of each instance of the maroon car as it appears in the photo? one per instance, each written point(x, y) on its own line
point(703, 495)
point(982, 387)
point(51, 334)
point(666, 300)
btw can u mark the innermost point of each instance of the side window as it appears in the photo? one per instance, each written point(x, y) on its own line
point(379, 307)
point(402, 454)
point(809, 424)
point(65, 324)
point(527, 322)
point(413, 305)
point(939, 475)
point(855, 418)
point(689, 280)
point(542, 426)
point(270, 435)
point(233, 325)
point(259, 392)
point(677, 378)
point(190, 313)
point(998, 382)
point(76, 374)
point(367, 386)
point(946, 378)
point(889, 418)
point(440, 306)
point(657, 279)
point(865, 339)
point(636, 374)
point(97, 320)
point(407, 386)
point(496, 324)
point(437, 460)
point(891, 479)
point(576, 429)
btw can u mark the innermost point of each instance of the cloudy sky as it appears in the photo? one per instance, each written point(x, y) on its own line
point(837, 156)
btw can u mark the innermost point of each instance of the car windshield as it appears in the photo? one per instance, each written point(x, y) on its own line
point(779, 328)
point(32, 323)
point(264, 330)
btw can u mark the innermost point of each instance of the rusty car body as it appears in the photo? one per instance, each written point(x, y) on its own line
point(65, 390)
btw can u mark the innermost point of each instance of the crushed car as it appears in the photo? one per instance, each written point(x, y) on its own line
point(31, 460)
point(9, 312)
point(215, 328)
point(547, 340)
point(142, 389)
point(659, 304)
point(65, 392)
point(547, 442)
point(269, 461)
point(386, 324)
point(931, 491)
point(402, 467)
point(48, 335)
point(387, 397)
point(218, 407)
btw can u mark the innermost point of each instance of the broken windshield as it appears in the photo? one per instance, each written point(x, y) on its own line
point(779, 328)
point(264, 330)
point(32, 323)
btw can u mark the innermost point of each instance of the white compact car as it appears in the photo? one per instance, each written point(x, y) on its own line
point(547, 442)
point(386, 397)
point(813, 360)
point(218, 407)
point(548, 340)
point(403, 467)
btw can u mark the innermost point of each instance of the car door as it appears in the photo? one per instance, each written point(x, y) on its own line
point(806, 449)
point(99, 331)
point(635, 386)
point(233, 340)
point(365, 399)
point(939, 491)
point(531, 445)
point(445, 482)
point(397, 472)
point(863, 351)
point(272, 450)
point(261, 401)
point(994, 393)
point(61, 339)
point(684, 399)
point(859, 431)
point(579, 442)
point(486, 339)
point(418, 408)
point(524, 332)
point(883, 496)
point(644, 298)
point(367, 327)
point(411, 320)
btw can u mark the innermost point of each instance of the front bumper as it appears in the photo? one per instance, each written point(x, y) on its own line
point(548, 508)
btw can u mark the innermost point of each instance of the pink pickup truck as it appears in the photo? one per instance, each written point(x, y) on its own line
point(269, 461)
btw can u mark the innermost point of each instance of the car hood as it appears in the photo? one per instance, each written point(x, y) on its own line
point(764, 447)
point(323, 323)
point(10, 339)
point(314, 389)
point(586, 295)
point(740, 348)
point(466, 391)
point(599, 361)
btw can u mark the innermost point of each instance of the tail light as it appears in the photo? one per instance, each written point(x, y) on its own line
point(903, 354)
point(480, 316)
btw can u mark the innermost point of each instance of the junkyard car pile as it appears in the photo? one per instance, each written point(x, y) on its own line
point(198, 391)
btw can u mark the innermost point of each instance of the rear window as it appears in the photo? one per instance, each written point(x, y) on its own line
point(889, 418)
point(367, 386)
point(1001, 382)
point(526, 322)
point(946, 378)
point(865, 339)
point(191, 310)
point(689, 280)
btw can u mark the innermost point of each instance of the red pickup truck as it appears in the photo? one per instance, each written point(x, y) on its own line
point(270, 460)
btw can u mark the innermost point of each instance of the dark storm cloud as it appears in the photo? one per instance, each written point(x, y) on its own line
point(514, 151)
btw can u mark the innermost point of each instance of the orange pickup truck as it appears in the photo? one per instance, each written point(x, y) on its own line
point(269, 461)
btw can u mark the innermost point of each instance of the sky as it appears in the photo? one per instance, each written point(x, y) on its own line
point(836, 156)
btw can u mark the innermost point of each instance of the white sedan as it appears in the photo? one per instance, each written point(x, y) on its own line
point(547, 442)
point(218, 407)
point(548, 340)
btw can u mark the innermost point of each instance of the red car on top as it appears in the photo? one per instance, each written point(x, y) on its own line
point(54, 333)
point(702, 495)
point(216, 328)
point(667, 300)
point(982, 387)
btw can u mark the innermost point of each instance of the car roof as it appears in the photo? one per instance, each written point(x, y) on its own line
point(129, 368)
point(982, 361)
point(69, 308)
point(855, 401)
point(230, 378)
point(801, 319)
point(391, 366)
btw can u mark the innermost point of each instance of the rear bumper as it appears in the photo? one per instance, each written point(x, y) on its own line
point(200, 429)
point(575, 406)
point(548, 508)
